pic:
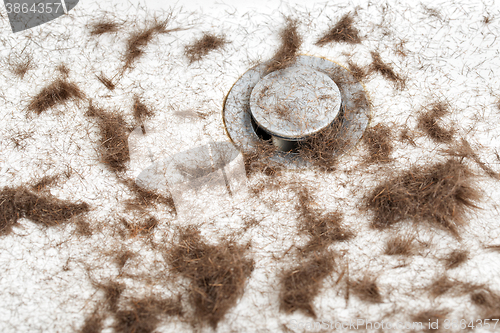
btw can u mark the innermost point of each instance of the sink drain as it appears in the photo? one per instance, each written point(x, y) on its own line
point(292, 105)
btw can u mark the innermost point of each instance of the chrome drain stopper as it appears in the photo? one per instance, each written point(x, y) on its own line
point(293, 104)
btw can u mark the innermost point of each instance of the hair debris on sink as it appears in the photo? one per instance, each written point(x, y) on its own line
point(41, 208)
point(114, 138)
point(302, 283)
point(342, 31)
point(108, 83)
point(291, 42)
point(440, 194)
point(456, 258)
point(103, 26)
point(428, 123)
point(386, 70)
point(366, 289)
point(58, 92)
point(378, 139)
point(200, 48)
point(217, 274)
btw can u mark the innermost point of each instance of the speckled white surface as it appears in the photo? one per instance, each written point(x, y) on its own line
point(451, 55)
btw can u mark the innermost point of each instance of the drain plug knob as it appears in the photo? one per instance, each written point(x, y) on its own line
point(294, 103)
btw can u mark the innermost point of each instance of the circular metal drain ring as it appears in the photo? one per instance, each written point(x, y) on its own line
point(353, 118)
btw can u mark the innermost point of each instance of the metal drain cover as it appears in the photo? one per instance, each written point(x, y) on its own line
point(295, 102)
point(292, 104)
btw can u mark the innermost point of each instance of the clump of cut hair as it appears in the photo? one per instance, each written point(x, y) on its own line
point(141, 228)
point(305, 201)
point(302, 283)
point(487, 300)
point(144, 198)
point(63, 69)
point(440, 194)
point(92, 323)
point(149, 225)
point(406, 135)
point(378, 140)
point(291, 41)
point(217, 273)
point(197, 50)
point(456, 258)
point(20, 67)
point(322, 228)
point(103, 27)
point(399, 246)
point(122, 257)
point(112, 293)
point(258, 160)
point(41, 208)
point(323, 148)
point(108, 83)
point(44, 182)
point(357, 71)
point(428, 123)
point(366, 289)
point(441, 286)
point(58, 92)
point(83, 227)
point(386, 70)
point(144, 315)
point(343, 31)
point(139, 40)
point(432, 12)
point(445, 285)
point(114, 133)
